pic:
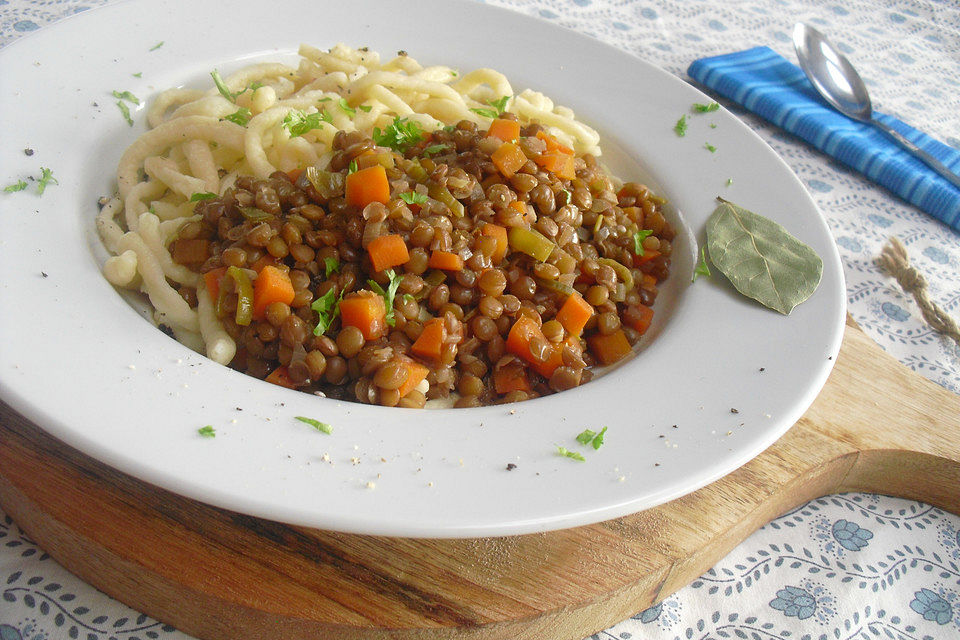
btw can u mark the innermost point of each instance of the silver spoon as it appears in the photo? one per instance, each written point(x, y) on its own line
point(839, 83)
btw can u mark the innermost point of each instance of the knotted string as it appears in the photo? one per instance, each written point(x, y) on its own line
point(893, 257)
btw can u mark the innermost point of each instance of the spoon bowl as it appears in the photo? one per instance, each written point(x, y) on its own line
point(841, 86)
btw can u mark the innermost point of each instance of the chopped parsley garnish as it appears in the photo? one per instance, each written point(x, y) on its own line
point(702, 269)
point(709, 147)
point(729, 181)
point(389, 294)
point(352, 167)
point(207, 431)
point(125, 110)
point(412, 197)
point(498, 105)
point(316, 424)
point(563, 451)
point(330, 265)
point(241, 116)
point(713, 125)
point(46, 178)
point(435, 148)
point(638, 239)
point(19, 185)
point(126, 95)
point(400, 135)
point(706, 108)
point(350, 111)
point(592, 438)
point(568, 197)
point(681, 127)
point(366, 108)
point(222, 87)
point(156, 46)
point(138, 74)
point(202, 195)
point(327, 308)
point(298, 122)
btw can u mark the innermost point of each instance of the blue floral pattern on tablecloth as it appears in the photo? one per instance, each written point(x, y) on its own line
point(844, 566)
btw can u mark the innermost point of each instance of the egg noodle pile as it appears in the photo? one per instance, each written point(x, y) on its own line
point(199, 142)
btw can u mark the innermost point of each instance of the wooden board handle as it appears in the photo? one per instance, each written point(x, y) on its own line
point(218, 575)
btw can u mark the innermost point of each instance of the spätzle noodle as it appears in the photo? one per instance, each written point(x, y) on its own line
point(195, 145)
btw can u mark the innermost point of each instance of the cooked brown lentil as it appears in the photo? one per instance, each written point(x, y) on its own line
point(310, 230)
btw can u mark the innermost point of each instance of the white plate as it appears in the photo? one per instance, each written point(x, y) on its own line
point(82, 363)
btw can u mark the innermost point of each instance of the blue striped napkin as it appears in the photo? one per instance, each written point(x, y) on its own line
point(770, 86)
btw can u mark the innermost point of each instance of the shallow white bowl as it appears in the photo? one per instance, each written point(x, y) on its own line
point(83, 363)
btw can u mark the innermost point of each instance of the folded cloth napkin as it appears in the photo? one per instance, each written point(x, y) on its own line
point(770, 86)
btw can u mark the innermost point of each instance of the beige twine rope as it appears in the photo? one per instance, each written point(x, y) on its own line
point(893, 257)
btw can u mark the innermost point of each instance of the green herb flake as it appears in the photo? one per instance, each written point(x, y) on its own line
point(316, 424)
point(681, 127)
point(638, 239)
point(568, 198)
point(241, 116)
point(435, 148)
point(126, 95)
point(138, 74)
point(761, 259)
point(207, 431)
point(498, 105)
point(729, 181)
point(702, 269)
point(327, 309)
point(125, 111)
point(705, 108)
point(203, 195)
point(19, 185)
point(352, 167)
point(350, 111)
point(713, 125)
point(156, 46)
point(389, 294)
point(399, 136)
point(709, 147)
point(299, 123)
point(597, 441)
point(222, 86)
point(331, 265)
point(586, 436)
point(566, 453)
point(366, 108)
point(412, 197)
point(46, 178)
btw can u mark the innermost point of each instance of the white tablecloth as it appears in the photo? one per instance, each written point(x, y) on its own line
point(844, 566)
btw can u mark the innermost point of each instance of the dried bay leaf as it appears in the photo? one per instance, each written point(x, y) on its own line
point(761, 259)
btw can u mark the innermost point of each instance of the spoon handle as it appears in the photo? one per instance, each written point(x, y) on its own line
point(932, 162)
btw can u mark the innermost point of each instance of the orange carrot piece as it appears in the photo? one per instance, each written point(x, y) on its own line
point(387, 251)
point(638, 318)
point(430, 343)
point(574, 313)
point(522, 333)
point(366, 311)
point(294, 174)
point(211, 279)
point(445, 261)
point(508, 159)
point(558, 163)
point(511, 377)
point(281, 377)
point(647, 256)
point(416, 373)
point(506, 130)
point(500, 233)
point(272, 285)
point(553, 144)
point(609, 348)
point(368, 185)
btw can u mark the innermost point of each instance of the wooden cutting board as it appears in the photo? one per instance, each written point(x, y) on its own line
point(876, 426)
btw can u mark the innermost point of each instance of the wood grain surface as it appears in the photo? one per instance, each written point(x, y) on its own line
point(218, 575)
